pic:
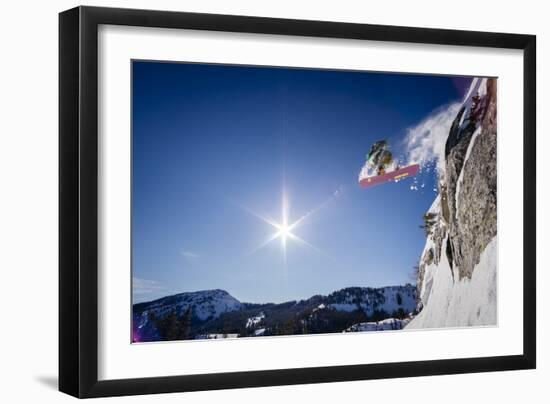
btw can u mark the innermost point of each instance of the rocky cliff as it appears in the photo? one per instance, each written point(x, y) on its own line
point(456, 283)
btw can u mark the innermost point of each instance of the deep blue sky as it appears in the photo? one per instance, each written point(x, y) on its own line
point(212, 140)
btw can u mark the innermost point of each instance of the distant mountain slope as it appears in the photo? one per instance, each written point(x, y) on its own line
point(217, 314)
point(205, 304)
point(388, 299)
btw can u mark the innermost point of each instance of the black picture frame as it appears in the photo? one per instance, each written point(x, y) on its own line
point(78, 201)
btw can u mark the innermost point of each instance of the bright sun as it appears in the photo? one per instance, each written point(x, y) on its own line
point(284, 233)
point(283, 228)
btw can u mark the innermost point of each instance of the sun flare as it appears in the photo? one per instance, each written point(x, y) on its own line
point(284, 229)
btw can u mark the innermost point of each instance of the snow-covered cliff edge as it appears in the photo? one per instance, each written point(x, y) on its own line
point(457, 273)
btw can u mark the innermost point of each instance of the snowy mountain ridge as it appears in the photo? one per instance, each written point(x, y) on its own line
point(204, 304)
point(215, 313)
point(371, 300)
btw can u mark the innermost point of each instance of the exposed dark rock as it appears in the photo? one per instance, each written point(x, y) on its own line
point(473, 215)
point(455, 133)
point(467, 204)
point(449, 252)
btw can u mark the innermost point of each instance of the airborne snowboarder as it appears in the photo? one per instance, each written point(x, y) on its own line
point(381, 167)
point(380, 157)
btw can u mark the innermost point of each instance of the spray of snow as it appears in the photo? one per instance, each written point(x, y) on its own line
point(425, 142)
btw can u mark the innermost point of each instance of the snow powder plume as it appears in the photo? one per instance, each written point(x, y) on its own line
point(425, 142)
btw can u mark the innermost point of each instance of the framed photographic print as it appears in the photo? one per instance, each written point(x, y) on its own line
point(251, 201)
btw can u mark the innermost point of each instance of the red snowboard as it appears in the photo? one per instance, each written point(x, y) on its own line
point(396, 175)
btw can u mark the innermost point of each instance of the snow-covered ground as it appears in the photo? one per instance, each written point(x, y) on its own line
point(252, 321)
point(383, 325)
point(388, 299)
point(259, 332)
point(216, 336)
point(467, 302)
point(320, 307)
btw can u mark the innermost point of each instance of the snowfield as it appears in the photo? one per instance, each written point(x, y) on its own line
point(216, 336)
point(259, 332)
point(383, 325)
point(252, 321)
point(469, 302)
point(388, 299)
